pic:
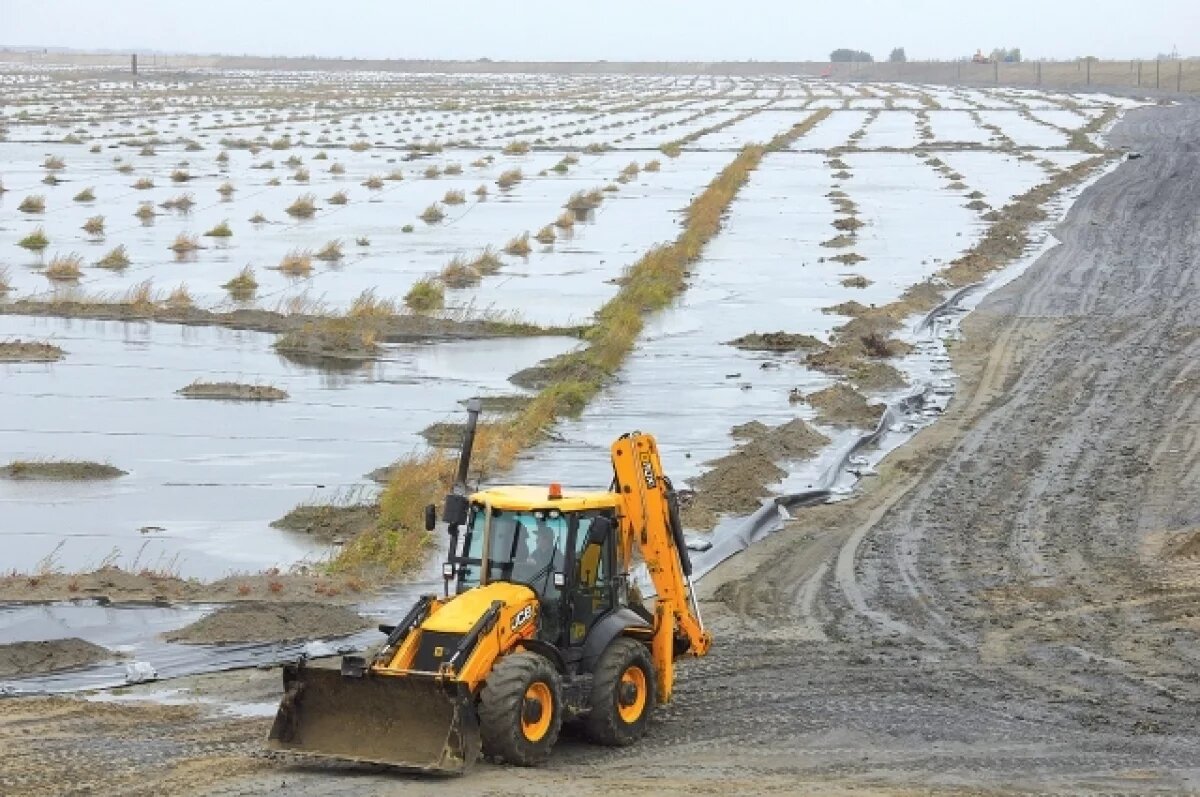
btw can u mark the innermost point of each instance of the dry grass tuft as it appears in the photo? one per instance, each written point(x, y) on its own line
point(185, 243)
point(296, 263)
point(116, 259)
point(94, 226)
point(517, 148)
point(330, 252)
point(35, 241)
point(519, 246)
point(86, 195)
point(34, 203)
point(305, 207)
point(180, 298)
point(509, 178)
point(222, 230)
point(433, 214)
point(368, 305)
point(65, 268)
point(425, 296)
point(454, 198)
point(143, 184)
point(339, 198)
point(182, 203)
point(243, 285)
point(565, 220)
point(374, 182)
point(226, 189)
point(546, 235)
point(459, 274)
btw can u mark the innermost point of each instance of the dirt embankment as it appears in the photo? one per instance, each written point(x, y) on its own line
point(114, 585)
point(736, 482)
point(29, 658)
point(29, 351)
point(330, 523)
point(270, 622)
point(841, 405)
point(232, 391)
point(59, 470)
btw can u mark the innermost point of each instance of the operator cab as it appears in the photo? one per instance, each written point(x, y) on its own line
point(553, 545)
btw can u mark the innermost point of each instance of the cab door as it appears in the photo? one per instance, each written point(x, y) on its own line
point(593, 593)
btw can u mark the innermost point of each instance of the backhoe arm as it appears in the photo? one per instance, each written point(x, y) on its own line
point(650, 520)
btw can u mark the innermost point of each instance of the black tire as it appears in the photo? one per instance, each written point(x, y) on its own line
point(504, 710)
point(608, 721)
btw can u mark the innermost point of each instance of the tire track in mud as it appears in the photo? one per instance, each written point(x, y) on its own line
point(1013, 556)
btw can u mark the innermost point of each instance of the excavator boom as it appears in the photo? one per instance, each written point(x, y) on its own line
point(650, 520)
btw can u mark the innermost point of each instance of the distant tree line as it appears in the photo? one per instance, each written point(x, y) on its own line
point(844, 54)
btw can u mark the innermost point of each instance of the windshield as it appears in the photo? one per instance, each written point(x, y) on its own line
point(525, 547)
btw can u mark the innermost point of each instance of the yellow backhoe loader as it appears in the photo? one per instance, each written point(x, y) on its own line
point(540, 623)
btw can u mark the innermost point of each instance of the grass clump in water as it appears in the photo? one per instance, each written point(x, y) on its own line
point(519, 246)
point(35, 241)
point(115, 259)
point(296, 263)
point(305, 207)
point(425, 296)
point(86, 195)
point(59, 470)
point(34, 203)
point(433, 214)
point(243, 285)
point(65, 268)
point(330, 252)
point(222, 230)
point(94, 226)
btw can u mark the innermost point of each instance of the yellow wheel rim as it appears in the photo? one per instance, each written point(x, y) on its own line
point(632, 680)
point(535, 729)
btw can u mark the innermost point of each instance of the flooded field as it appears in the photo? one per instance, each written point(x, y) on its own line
point(326, 190)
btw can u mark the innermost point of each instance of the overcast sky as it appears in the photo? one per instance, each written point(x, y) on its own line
point(608, 29)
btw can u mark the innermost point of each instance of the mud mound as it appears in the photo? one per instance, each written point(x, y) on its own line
point(444, 435)
point(233, 391)
point(28, 351)
point(32, 658)
point(59, 470)
point(737, 482)
point(329, 522)
point(273, 622)
point(842, 405)
point(775, 341)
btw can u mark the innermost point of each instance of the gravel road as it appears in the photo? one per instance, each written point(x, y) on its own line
point(1011, 606)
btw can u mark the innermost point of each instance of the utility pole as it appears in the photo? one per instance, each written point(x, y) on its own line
point(133, 64)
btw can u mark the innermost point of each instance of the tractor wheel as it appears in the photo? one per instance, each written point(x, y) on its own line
point(520, 709)
point(623, 694)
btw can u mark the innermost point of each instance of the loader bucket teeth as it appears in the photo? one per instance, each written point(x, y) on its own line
point(413, 722)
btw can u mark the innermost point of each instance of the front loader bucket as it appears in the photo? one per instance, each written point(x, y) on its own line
point(410, 721)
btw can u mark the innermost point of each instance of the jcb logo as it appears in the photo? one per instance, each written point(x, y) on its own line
point(522, 617)
point(648, 472)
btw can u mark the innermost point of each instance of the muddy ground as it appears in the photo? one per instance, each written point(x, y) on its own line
point(30, 658)
point(1009, 607)
point(270, 622)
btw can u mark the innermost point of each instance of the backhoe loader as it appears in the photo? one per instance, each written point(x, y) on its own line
point(540, 622)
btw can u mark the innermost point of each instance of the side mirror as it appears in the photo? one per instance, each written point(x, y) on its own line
point(455, 510)
point(599, 531)
point(430, 517)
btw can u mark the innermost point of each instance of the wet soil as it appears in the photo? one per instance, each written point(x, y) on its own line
point(113, 585)
point(27, 658)
point(842, 405)
point(233, 391)
point(330, 522)
point(737, 482)
point(59, 470)
point(270, 622)
point(29, 351)
point(995, 613)
point(776, 342)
